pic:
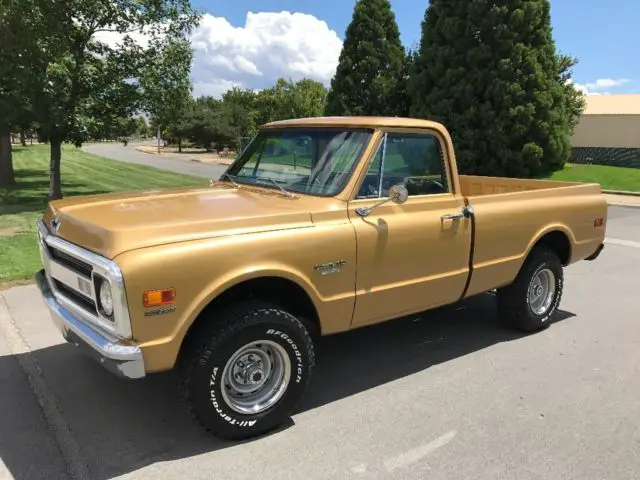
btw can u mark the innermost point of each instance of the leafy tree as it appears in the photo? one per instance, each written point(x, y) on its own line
point(368, 79)
point(87, 78)
point(288, 99)
point(206, 123)
point(179, 129)
point(401, 96)
point(490, 72)
point(238, 112)
point(167, 88)
point(143, 128)
point(22, 59)
point(309, 98)
point(202, 120)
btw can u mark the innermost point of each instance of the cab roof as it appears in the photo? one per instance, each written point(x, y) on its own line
point(356, 121)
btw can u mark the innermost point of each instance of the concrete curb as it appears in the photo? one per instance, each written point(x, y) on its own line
point(621, 192)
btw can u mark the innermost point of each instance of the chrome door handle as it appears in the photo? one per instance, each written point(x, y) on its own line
point(452, 216)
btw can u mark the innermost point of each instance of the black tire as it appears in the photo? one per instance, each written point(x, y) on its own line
point(203, 364)
point(514, 306)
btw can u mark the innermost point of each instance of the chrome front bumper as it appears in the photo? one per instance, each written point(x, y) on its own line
point(122, 359)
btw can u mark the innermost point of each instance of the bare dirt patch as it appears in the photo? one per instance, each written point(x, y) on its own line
point(14, 283)
point(9, 231)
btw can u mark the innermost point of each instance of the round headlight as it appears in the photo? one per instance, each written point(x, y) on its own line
point(106, 299)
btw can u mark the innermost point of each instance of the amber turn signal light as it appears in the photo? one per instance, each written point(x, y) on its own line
point(156, 298)
point(598, 222)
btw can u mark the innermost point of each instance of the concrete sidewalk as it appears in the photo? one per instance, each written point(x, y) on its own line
point(623, 200)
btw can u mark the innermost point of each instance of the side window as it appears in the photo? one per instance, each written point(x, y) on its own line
point(413, 160)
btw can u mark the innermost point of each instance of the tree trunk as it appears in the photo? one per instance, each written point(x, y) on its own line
point(158, 140)
point(55, 184)
point(180, 145)
point(23, 140)
point(7, 176)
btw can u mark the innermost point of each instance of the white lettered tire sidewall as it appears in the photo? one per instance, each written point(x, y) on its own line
point(207, 381)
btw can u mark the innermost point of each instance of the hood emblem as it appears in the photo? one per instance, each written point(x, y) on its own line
point(55, 224)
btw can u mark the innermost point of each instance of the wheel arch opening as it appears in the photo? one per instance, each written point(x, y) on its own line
point(279, 291)
point(558, 242)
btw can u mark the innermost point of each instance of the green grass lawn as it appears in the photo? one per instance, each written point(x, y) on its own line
point(82, 174)
point(611, 178)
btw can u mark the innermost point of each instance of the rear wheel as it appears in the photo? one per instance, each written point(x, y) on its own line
point(532, 299)
point(245, 376)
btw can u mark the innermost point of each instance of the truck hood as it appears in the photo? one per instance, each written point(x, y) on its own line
point(111, 224)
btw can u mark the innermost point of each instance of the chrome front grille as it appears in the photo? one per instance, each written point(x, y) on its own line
point(71, 277)
point(79, 299)
point(73, 263)
point(75, 275)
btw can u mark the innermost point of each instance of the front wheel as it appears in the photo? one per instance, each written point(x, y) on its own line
point(530, 301)
point(249, 372)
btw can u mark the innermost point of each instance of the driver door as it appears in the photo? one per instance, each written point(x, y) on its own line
point(413, 256)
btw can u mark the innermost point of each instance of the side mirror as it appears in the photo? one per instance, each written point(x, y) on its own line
point(398, 194)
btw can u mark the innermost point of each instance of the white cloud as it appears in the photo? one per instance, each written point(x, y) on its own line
point(604, 83)
point(600, 86)
point(215, 88)
point(269, 45)
point(140, 36)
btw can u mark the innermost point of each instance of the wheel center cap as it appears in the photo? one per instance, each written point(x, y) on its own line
point(538, 291)
point(254, 375)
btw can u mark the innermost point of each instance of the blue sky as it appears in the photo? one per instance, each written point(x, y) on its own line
point(229, 50)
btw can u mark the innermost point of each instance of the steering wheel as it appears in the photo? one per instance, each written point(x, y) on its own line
point(424, 185)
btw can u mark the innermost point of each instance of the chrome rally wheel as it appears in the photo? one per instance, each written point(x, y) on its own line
point(542, 290)
point(256, 377)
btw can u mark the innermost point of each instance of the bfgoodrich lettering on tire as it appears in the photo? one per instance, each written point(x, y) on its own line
point(532, 299)
point(246, 375)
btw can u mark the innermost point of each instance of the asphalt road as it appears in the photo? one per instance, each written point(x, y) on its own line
point(117, 151)
point(451, 396)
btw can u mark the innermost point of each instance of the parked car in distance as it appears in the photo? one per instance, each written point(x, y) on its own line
point(320, 226)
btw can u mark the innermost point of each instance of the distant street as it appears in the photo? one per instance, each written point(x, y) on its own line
point(129, 154)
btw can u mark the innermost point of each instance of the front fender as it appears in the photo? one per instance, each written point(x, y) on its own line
point(222, 284)
point(200, 271)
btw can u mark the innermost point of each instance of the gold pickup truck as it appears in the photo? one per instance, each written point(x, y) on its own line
point(320, 226)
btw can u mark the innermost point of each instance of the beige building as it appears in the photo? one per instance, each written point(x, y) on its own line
point(609, 131)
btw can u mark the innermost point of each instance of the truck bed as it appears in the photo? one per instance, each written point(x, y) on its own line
point(512, 213)
point(476, 186)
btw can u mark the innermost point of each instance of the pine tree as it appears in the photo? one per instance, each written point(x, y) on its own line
point(369, 77)
point(490, 72)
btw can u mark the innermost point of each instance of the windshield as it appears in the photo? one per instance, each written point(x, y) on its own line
point(315, 161)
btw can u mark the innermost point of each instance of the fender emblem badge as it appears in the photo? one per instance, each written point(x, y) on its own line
point(330, 267)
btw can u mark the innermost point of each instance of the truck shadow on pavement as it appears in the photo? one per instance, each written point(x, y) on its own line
point(122, 426)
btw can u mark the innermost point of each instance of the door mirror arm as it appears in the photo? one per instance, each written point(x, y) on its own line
point(398, 194)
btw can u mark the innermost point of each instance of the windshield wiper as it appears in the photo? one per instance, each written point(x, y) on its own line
point(286, 193)
point(235, 184)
